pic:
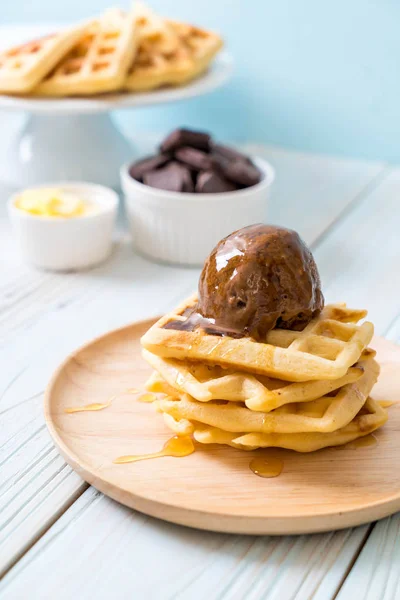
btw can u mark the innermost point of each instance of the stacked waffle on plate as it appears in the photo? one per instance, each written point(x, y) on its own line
point(118, 51)
point(300, 390)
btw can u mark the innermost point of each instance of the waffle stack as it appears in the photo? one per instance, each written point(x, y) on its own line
point(118, 51)
point(300, 390)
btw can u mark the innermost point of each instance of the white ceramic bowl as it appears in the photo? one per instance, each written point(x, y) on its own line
point(183, 228)
point(65, 244)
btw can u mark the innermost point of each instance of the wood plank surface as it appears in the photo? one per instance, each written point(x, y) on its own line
point(375, 574)
point(104, 549)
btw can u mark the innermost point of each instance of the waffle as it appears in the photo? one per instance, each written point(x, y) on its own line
point(202, 45)
point(98, 62)
point(181, 426)
point(258, 392)
point(155, 35)
point(324, 415)
point(329, 345)
point(169, 53)
point(162, 59)
point(22, 67)
point(371, 417)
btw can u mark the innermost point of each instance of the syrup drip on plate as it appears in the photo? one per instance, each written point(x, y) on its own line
point(102, 405)
point(176, 446)
point(88, 407)
point(148, 397)
point(266, 467)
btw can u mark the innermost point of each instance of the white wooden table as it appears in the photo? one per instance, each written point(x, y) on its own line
point(60, 538)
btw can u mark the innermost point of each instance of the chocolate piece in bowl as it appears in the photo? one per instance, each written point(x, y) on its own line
point(185, 137)
point(207, 167)
point(150, 163)
point(173, 177)
point(239, 171)
point(220, 150)
point(189, 182)
point(209, 182)
point(195, 159)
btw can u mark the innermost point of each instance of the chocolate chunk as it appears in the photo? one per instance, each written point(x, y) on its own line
point(240, 172)
point(139, 168)
point(188, 184)
point(174, 177)
point(229, 153)
point(195, 159)
point(186, 137)
point(212, 183)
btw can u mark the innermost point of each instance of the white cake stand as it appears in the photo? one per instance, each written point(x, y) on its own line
point(76, 138)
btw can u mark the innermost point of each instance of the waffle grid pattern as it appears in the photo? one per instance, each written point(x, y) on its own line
point(329, 345)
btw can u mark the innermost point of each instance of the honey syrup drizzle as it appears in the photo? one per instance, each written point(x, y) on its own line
point(176, 446)
point(100, 405)
point(88, 407)
point(147, 397)
point(266, 466)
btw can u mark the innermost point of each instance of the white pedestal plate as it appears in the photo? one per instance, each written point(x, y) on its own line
point(76, 138)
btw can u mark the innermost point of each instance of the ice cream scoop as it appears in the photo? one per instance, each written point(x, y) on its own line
point(258, 278)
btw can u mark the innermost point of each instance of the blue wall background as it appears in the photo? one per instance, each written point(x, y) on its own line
point(313, 75)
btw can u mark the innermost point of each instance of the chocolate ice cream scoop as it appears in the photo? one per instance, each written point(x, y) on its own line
point(258, 278)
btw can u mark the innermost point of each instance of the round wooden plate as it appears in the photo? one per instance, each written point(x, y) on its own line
point(214, 488)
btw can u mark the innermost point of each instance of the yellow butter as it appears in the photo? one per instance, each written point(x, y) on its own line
point(52, 202)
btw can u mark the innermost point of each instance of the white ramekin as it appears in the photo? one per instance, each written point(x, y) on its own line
point(181, 228)
point(65, 244)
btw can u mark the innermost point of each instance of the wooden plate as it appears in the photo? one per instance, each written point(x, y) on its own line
point(214, 487)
